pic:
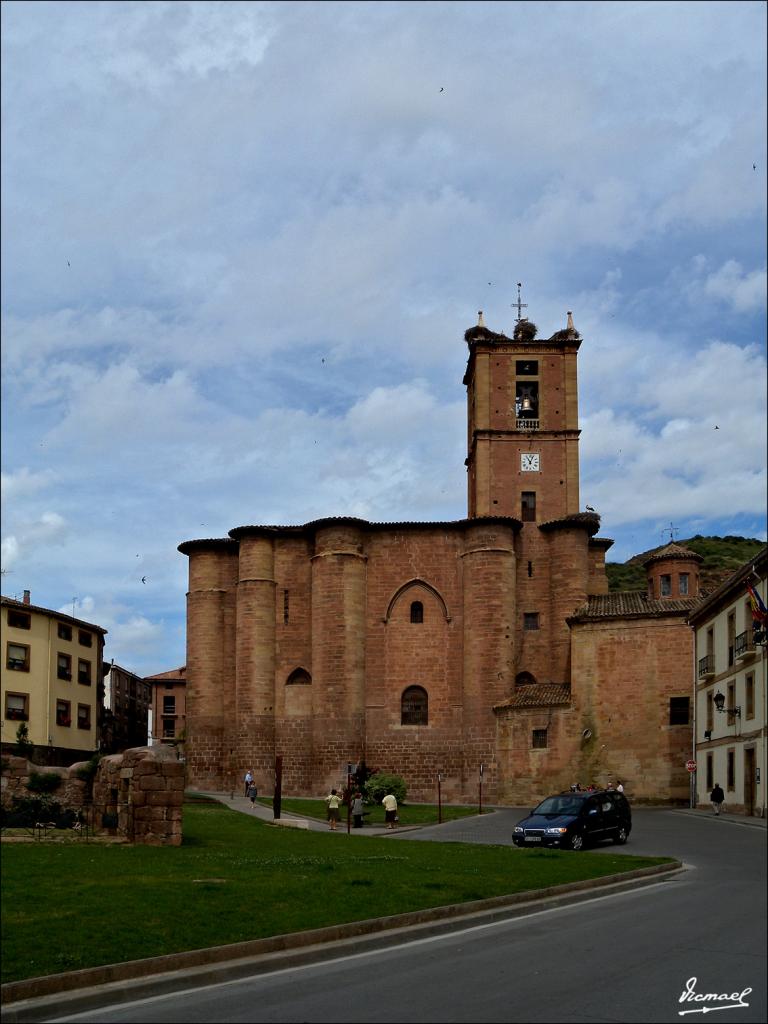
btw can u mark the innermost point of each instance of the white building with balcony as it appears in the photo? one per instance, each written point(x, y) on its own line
point(730, 685)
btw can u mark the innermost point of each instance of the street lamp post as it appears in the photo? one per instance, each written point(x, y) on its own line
point(350, 772)
point(277, 798)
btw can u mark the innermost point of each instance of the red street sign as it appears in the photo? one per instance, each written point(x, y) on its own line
point(691, 766)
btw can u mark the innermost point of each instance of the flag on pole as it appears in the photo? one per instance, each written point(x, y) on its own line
point(759, 611)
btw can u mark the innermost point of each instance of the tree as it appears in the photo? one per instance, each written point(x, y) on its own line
point(24, 746)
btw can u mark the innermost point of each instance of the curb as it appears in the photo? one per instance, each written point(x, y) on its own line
point(34, 999)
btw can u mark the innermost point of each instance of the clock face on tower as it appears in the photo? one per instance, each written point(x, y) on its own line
point(529, 462)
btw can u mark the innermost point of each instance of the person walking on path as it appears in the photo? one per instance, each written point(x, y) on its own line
point(357, 810)
point(390, 810)
point(252, 794)
point(717, 798)
point(334, 802)
point(248, 780)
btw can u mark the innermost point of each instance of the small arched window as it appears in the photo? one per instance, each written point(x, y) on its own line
point(414, 706)
point(299, 677)
point(417, 611)
point(524, 679)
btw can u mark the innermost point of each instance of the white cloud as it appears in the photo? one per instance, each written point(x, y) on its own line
point(129, 635)
point(24, 482)
point(608, 213)
point(133, 638)
point(49, 531)
point(10, 552)
point(743, 291)
point(704, 422)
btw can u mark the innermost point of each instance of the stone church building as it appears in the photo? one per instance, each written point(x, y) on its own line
point(439, 647)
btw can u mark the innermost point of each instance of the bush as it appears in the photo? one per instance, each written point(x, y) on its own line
point(43, 782)
point(87, 772)
point(26, 812)
point(380, 784)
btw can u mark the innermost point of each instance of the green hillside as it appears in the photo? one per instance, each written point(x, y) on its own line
point(722, 557)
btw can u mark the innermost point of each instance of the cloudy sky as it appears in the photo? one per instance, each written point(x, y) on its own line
point(241, 243)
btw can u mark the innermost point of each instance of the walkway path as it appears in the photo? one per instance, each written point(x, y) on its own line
point(258, 810)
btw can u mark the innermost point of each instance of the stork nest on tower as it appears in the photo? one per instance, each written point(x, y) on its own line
point(525, 330)
point(567, 334)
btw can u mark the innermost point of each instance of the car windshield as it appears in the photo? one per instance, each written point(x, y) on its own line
point(558, 805)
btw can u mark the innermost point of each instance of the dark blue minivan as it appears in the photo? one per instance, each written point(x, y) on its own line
point(571, 821)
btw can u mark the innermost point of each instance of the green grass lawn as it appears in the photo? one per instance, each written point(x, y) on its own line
point(409, 814)
point(69, 906)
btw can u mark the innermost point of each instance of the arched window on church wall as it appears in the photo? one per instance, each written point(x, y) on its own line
point(296, 699)
point(524, 679)
point(417, 611)
point(414, 706)
point(299, 677)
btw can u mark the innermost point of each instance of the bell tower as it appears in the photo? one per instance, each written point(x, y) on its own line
point(522, 416)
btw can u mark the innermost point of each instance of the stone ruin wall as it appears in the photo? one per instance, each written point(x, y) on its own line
point(142, 789)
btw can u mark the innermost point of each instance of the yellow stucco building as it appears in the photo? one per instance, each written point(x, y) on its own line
point(51, 681)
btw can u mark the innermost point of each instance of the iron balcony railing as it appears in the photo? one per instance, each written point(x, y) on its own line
point(744, 644)
point(707, 665)
point(526, 424)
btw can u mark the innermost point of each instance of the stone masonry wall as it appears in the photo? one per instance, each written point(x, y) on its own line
point(624, 673)
point(528, 774)
point(143, 788)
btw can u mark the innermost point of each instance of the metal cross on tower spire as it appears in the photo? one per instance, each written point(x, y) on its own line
point(519, 305)
point(671, 530)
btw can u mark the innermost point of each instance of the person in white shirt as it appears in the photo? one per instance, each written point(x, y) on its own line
point(390, 810)
point(248, 780)
point(334, 802)
point(619, 786)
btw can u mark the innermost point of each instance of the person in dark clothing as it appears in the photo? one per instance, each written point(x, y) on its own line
point(717, 798)
point(357, 810)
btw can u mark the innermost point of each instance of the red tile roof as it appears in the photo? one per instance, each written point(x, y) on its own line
point(631, 604)
point(174, 673)
point(537, 695)
point(673, 552)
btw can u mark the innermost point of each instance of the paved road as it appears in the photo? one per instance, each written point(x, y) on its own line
point(621, 958)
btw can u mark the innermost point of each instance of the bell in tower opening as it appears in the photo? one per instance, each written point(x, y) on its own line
point(527, 403)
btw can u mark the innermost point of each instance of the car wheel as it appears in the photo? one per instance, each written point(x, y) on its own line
point(576, 841)
point(621, 835)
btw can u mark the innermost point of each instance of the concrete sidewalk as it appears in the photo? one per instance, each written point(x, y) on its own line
point(236, 802)
point(737, 819)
